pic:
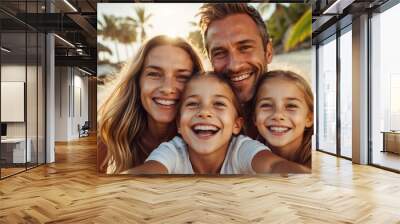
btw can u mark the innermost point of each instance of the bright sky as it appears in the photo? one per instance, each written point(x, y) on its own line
point(168, 18)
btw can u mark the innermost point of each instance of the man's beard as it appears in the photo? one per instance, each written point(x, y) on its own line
point(255, 73)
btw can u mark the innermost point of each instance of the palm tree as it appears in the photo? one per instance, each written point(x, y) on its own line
point(196, 38)
point(289, 26)
point(263, 8)
point(102, 48)
point(127, 33)
point(109, 30)
point(142, 21)
point(299, 32)
point(277, 26)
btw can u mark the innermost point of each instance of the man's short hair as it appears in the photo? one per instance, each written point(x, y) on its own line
point(210, 12)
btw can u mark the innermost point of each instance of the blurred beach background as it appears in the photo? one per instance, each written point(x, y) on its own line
point(123, 27)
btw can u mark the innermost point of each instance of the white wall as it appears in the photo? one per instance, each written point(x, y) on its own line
point(33, 126)
point(80, 83)
point(61, 103)
point(14, 73)
point(71, 94)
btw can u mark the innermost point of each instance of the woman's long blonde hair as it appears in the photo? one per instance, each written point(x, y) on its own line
point(122, 116)
point(303, 153)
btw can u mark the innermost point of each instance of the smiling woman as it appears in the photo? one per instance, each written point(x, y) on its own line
point(140, 113)
point(163, 77)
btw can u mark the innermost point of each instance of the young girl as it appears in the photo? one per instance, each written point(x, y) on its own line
point(209, 114)
point(284, 115)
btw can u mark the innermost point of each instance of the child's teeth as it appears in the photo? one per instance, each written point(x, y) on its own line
point(279, 129)
point(205, 128)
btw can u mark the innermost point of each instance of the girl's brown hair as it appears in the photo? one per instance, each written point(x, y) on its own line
point(303, 153)
point(219, 78)
point(122, 117)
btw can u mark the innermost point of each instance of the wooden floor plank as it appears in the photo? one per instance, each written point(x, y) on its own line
point(70, 191)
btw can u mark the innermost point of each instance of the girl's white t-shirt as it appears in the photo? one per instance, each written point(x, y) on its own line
point(175, 157)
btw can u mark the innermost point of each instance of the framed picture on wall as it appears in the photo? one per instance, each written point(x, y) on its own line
point(195, 88)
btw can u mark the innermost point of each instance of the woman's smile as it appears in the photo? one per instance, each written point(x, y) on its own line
point(167, 103)
point(162, 81)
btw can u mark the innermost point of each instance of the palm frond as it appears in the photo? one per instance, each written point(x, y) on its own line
point(299, 31)
point(263, 8)
point(103, 48)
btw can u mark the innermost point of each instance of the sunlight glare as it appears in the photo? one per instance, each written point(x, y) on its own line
point(170, 21)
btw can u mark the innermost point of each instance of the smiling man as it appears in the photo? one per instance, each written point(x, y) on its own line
point(238, 46)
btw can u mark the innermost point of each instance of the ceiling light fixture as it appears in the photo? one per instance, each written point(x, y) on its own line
point(84, 71)
point(5, 50)
point(70, 5)
point(64, 40)
point(79, 51)
point(337, 7)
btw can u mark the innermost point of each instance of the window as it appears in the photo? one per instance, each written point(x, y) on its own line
point(22, 65)
point(346, 94)
point(385, 88)
point(327, 97)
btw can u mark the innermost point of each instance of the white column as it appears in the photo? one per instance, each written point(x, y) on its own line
point(50, 93)
point(50, 99)
point(314, 89)
point(360, 90)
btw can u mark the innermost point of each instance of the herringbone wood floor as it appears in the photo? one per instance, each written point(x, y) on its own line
point(70, 191)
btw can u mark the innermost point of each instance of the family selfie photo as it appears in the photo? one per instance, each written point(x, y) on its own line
point(220, 88)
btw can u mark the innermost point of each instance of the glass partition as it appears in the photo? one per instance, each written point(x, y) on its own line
point(385, 89)
point(22, 77)
point(13, 94)
point(327, 96)
point(346, 94)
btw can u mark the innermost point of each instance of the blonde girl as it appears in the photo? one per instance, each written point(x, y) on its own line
point(283, 115)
